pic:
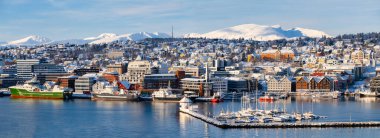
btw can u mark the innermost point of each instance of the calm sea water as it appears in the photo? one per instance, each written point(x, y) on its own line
point(85, 118)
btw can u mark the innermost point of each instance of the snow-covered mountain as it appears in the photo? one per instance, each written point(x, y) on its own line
point(71, 41)
point(108, 38)
point(258, 32)
point(30, 40)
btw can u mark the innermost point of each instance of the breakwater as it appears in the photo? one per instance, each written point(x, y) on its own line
point(221, 124)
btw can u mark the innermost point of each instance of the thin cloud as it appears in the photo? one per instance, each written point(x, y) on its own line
point(146, 9)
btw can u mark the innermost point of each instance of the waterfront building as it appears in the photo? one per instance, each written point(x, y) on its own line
point(7, 80)
point(137, 70)
point(302, 84)
point(84, 83)
point(199, 86)
point(237, 85)
point(48, 72)
point(316, 84)
point(9, 70)
point(24, 68)
point(156, 81)
point(375, 84)
point(219, 84)
point(67, 81)
point(280, 84)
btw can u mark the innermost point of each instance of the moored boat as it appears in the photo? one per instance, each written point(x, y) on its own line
point(113, 97)
point(166, 95)
point(213, 99)
point(33, 89)
point(266, 98)
point(5, 93)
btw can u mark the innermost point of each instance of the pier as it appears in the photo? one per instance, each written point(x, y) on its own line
point(220, 124)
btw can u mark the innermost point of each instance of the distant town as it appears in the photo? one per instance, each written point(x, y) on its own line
point(195, 67)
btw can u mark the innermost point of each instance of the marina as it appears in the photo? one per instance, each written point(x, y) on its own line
point(221, 124)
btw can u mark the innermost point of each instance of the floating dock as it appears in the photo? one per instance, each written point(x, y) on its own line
point(220, 124)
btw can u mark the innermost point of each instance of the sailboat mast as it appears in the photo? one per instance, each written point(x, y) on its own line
point(256, 95)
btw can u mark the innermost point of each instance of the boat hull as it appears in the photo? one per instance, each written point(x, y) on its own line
point(22, 93)
point(81, 96)
point(369, 95)
point(2, 94)
point(166, 99)
point(208, 99)
point(114, 97)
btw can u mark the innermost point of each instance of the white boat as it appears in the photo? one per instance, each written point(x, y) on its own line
point(368, 93)
point(166, 95)
point(278, 119)
point(113, 97)
point(310, 115)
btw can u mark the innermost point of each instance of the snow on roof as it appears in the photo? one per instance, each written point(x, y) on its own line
point(155, 75)
point(125, 83)
point(287, 51)
point(270, 51)
point(94, 75)
point(235, 79)
point(192, 79)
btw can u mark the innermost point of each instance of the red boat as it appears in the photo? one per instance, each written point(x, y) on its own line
point(216, 100)
point(266, 98)
point(213, 99)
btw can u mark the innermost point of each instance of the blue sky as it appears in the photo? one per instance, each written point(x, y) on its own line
point(65, 19)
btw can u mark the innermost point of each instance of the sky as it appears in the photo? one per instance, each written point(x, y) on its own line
point(67, 19)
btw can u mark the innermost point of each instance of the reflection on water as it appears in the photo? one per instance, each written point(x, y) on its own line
point(368, 99)
point(85, 118)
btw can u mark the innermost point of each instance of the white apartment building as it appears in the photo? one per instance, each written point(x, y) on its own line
point(84, 83)
point(137, 70)
point(276, 84)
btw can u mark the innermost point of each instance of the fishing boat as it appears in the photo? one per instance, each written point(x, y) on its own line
point(115, 97)
point(166, 95)
point(33, 89)
point(111, 93)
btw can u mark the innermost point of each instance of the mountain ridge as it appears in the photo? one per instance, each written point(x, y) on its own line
point(259, 32)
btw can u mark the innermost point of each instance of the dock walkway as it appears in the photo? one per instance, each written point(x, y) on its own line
point(220, 124)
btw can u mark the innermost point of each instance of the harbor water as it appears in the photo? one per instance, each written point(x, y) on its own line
point(86, 118)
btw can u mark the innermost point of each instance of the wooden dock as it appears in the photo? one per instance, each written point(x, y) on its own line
point(220, 124)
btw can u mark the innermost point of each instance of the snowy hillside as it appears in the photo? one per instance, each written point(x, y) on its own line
point(259, 32)
point(110, 37)
point(30, 40)
point(134, 36)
